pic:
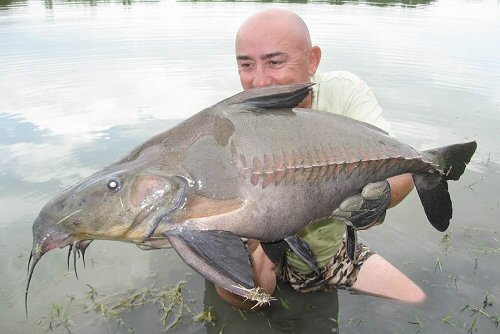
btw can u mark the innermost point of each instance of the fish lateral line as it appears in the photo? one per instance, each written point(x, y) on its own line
point(296, 171)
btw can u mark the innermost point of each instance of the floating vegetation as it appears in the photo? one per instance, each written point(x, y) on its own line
point(206, 316)
point(452, 279)
point(242, 314)
point(479, 242)
point(417, 321)
point(486, 250)
point(356, 320)
point(445, 242)
point(58, 318)
point(169, 301)
point(438, 264)
point(284, 302)
point(476, 247)
point(470, 325)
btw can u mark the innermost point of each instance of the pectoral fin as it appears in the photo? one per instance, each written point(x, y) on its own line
point(219, 256)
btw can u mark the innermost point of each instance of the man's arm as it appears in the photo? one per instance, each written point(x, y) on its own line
point(401, 186)
point(368, 208)
point(264, 277)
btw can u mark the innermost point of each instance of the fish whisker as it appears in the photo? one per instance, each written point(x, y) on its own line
point(29, 262)
point(82, 247)
point(74, 261)
point(69, 254)
point(36, 258)
point(83, 258)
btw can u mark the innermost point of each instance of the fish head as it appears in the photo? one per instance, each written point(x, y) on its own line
point(113, 204)
point(123, 203)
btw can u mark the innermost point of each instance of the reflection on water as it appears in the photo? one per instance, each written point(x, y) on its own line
point(380, 3)
point(83, 82)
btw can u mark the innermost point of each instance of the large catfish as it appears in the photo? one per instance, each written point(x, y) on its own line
point(251, 166)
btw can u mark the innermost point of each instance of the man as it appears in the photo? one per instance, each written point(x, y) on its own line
point(273, 47)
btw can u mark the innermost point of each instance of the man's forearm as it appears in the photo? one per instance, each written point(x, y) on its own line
point(401, 186)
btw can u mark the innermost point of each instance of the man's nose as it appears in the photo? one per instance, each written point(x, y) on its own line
point(262, 78)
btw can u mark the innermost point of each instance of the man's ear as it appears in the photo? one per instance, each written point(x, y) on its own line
point(314, 60)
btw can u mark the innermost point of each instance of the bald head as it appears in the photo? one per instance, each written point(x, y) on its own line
point(273, 47)
point(275, 24)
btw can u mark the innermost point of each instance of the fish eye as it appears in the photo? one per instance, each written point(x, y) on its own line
point(114, 185)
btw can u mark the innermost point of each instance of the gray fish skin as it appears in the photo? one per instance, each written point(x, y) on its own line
point(250, 166)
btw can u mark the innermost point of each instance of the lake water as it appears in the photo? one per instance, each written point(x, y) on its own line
point(82, 82)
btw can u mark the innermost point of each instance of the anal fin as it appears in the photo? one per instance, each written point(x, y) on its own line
point(275, 251)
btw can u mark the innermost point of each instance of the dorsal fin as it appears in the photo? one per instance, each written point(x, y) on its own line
point(282, 96)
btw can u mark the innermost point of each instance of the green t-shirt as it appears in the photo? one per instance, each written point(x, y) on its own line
point(324, 238)
point(345, 94)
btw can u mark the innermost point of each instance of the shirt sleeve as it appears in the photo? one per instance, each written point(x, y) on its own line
point(345, 94)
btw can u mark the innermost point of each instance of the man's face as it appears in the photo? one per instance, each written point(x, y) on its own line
point(266, 57)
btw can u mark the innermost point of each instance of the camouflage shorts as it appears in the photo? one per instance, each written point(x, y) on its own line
point(339, 273)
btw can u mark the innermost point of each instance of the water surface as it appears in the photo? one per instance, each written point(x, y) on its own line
point(83, 82)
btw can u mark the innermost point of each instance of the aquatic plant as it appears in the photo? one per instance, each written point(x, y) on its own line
point(169, 301)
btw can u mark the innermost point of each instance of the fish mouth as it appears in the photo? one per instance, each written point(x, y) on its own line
point(49, 241)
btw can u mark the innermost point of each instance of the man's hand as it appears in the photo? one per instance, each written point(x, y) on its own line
point(367, 209)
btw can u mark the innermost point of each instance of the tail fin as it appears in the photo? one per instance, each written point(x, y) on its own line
point(452, 159)
point(433, 188)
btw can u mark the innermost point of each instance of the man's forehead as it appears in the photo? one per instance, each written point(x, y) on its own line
point(267, 46)
point(261, 43)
